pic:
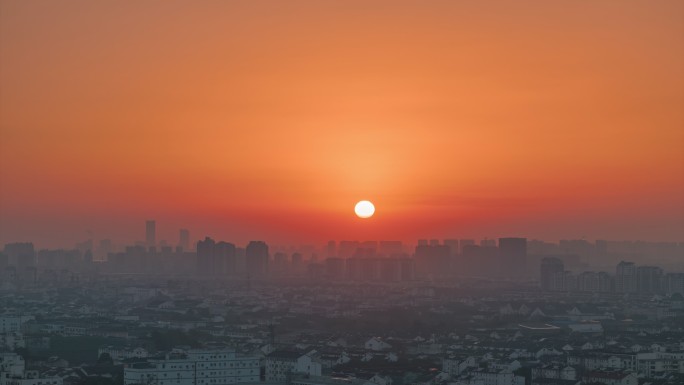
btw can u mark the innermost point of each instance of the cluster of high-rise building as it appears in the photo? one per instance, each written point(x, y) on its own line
point(386, 261)
point(628, 278)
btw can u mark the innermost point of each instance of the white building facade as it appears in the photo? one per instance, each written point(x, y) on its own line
point(195, 367)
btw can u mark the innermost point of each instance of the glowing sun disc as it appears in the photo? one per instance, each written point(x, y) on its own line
point(364, 209)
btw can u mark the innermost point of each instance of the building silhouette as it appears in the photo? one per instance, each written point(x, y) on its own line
point(256, 256)
point(225, 259)
point(649, 279)
point(513, 256)
point(150, 233)
point(432, 260)
point(625, 277)
point(184, 239)
point(205, 256)
point(550, 268)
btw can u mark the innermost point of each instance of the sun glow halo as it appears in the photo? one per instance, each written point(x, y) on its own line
point(364, 209)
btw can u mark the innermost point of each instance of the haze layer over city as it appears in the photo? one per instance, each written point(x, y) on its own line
point(341, 192)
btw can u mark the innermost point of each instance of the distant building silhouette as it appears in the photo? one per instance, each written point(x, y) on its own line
point(464, 242)
point(390, 248)
point(150, 233)
point(257, 258)
point(297, 264)
point(347, 249)
point(432, 260)
point(479, 260)
point(488, 242)
point(331, 249)
point(20, 255)
point(205, 256)
point(649, 279)
point(225, 259)
point(513, 256)
point(184, 239)
point(453, 246)
point(625, 277)
point(550, 268)
point(216, 258)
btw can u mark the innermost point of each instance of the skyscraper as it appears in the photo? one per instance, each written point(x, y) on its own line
point(150, 233)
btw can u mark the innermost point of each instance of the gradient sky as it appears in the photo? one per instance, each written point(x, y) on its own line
point(270, 119)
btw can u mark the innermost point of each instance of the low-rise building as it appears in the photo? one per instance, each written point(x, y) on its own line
point(195, 367)
point(611, 377)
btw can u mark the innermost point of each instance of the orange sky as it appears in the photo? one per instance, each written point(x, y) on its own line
point(270, 119)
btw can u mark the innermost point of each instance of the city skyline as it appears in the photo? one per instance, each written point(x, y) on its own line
point(184, 237)
point(273, 120)
point(341, 192)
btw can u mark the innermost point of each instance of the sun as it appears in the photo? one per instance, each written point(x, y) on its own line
point(364, 209)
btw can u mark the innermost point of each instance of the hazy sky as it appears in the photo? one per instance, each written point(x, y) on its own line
point(270, 119)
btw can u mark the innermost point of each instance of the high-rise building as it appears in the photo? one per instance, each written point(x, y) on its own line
point(488, 242)
point(331, 249)
point(225, 261)
point(297, 264)
point(335, 268)
point(649, 279)
point(184, 239)
point(256, 256)
point(391, 248)
point(550, 267)
point(150, 233)
point(347, 249)
point(588, 281)
point(674, 283)
point(216, 258)
point(432, 261)
point(513, 256)
point(625, 277)
point(280, 264)
point(20, 255)
point(453, 245)
point(205, 256)
point(606, 282)
point(464, 242)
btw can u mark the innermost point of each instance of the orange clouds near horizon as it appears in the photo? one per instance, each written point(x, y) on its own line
point(269, 120)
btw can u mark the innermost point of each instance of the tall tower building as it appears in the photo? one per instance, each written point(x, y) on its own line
point(150, 233)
